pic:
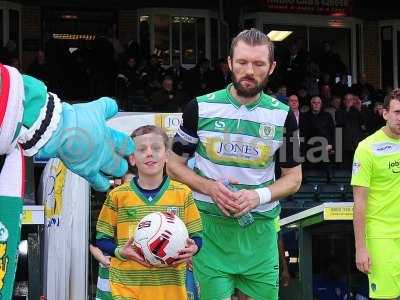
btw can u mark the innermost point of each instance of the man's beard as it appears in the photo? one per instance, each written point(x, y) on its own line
point(249, 92)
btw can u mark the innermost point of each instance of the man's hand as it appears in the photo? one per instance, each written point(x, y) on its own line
point(363, 261)
point(128, 252)
point(247, 200)
point(223, 198)
point(186, 254)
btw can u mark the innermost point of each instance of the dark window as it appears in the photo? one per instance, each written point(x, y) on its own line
point(387, 56)
point(214, 41)
point(189, 41)
point(1, 30)
point(144, 34)
point(161, 38)
point(14, 27)
point(201, 38)
point(176, 46)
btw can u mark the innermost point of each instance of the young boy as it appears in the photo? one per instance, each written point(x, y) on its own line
point(151, 191)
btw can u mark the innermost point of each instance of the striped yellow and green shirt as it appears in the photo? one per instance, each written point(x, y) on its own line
point(124, 207)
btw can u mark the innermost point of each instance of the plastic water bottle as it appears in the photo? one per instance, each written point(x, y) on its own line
point(245, 220)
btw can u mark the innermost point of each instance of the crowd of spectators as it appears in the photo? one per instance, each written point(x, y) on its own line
point(317, 90)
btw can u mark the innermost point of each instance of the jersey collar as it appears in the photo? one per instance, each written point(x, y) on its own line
point(163, 187)
point(237, 104)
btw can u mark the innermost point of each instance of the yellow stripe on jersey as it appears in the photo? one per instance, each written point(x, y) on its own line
point(124, 207)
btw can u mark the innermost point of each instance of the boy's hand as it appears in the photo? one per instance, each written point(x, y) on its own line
point(105, 261)
point(189, 265)
point(128, 252)
point(186, 254)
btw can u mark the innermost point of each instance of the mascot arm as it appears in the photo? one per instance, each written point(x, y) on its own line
point(77, 134)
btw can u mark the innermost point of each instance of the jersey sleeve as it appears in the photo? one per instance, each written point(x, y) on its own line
point(186, 138)
point(291, 143)
point(362, 167)
point(277, 225)
point(107, 221)
point(192, 216)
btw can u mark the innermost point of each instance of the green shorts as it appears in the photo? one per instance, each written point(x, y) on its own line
point(235, 257)
point(384, 277)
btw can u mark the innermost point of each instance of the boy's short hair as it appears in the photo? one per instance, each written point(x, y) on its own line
point(146, 129)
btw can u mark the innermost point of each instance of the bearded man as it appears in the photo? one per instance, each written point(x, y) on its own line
point(234, 135)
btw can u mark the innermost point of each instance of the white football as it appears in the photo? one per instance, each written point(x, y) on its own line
point(160, 236)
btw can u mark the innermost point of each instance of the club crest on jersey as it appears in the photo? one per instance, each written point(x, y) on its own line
point(173, 210)
point(267, 131)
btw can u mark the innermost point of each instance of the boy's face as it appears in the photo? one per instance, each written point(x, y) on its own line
point(150, 155)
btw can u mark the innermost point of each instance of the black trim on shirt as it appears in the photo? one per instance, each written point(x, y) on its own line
point(190, 118)
point(291, 145)
point(2, 160)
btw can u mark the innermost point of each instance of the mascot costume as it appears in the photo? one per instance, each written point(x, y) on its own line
point(34, 121)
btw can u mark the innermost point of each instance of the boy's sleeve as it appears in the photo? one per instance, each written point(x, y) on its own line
point(362, 167)
point(107, 221)
point(192, 216)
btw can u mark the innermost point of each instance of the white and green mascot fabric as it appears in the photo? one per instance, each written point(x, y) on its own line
point(34, 121)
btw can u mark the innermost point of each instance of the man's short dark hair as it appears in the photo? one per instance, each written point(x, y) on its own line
point(253, 37)
point(394, 95)
point(168, 77)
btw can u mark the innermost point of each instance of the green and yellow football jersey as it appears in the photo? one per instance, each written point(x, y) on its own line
point(124, 207)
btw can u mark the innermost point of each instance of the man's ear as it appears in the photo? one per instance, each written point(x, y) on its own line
point(229, 63)
point(385, 114)
point(272, 68)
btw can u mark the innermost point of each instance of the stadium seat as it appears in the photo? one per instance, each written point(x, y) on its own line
point(338, 175)
point(315, 175)
point(332, 192)
point(307, 191)
point(349, 193)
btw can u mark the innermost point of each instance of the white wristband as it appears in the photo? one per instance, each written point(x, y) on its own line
point(264, 194)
